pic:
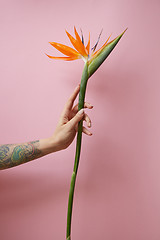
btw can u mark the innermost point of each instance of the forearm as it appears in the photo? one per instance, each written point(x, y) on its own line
point(15, 154)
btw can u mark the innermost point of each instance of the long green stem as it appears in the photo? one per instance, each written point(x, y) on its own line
point(82, 92)
point(89, 69)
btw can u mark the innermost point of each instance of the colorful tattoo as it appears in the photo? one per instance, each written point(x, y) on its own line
point(14, 154)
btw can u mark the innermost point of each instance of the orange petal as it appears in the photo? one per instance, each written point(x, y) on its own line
point(63, 58)
point(74, 42)
point(65, 49)
point(106, 41)
point(102, 46)
point(81, 47)
point(88, 45)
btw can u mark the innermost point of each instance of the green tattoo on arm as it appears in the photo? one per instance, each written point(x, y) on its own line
point(15, 154)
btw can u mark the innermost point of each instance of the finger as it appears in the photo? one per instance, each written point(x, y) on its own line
point(68, 106)
point(72, 98)
point(87, 119)
point(86, 131)
point(86, 105)
point(73, 122)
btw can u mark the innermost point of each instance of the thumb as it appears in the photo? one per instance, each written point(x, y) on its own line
point(73, 122)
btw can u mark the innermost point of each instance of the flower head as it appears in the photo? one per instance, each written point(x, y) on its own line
point(79, 50)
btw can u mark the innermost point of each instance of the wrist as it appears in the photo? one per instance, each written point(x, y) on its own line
point(48, 145)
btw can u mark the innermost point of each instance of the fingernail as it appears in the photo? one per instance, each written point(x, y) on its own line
point(90, 105)
point(81, 111)
point(89, 124)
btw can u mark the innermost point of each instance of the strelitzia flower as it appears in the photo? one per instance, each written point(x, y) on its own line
point(80, 51)
point(93, 59)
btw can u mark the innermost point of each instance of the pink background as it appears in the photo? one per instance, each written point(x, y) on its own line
point(118, 187)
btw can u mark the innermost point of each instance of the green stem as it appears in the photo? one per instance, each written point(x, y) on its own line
point(82, 92)
point(89, 70)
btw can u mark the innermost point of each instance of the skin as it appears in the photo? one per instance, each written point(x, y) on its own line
point(15, 154)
